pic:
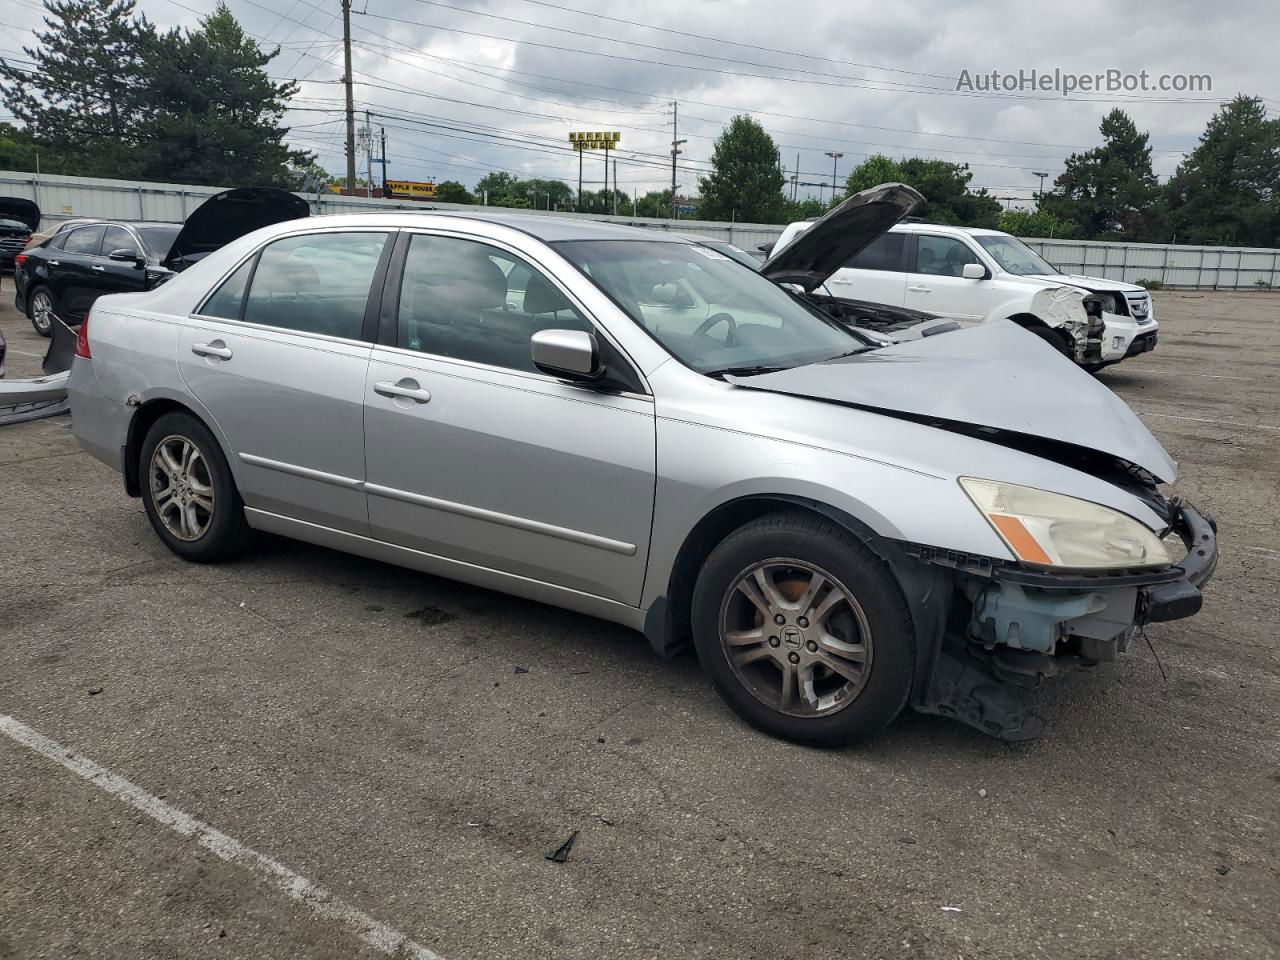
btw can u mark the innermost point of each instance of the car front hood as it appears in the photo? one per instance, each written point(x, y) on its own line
point(991, 376)
point(20, 209)
point(1094, 284)
point(841, 234)
point(228, 216)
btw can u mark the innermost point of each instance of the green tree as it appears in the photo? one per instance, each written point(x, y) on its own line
point(873, 171)
point(1111, 190)
point(746, 183)
point(214, 114)
point(451, 191)
point(1227, 190)
point(1037, 223)
point(85, 96)
point(499, 187)
point(655, 203)
point(944, 185)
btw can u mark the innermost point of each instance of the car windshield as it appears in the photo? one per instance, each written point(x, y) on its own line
point(159, 239)
point(1015, 256)
point(707, 310)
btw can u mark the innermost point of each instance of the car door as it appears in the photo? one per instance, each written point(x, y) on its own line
point(936, 284)
point(118, 276)
point(876, 274)
point(71, 281)
point(474, 455)
point(277, 355)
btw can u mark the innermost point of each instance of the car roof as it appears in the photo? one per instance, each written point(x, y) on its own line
point(96, 221)
point(921, 226)
point(549, 229)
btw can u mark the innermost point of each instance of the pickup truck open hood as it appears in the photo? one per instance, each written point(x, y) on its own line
point(20, 209)
point(228, 216)
point(995, 375)
point(832, 241)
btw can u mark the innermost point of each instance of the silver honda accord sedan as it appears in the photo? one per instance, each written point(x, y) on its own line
point(638, 427)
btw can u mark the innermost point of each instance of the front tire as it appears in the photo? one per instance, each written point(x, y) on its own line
point(1056, 339)
point(40, 311)
point(189, 493)
point(804, 631)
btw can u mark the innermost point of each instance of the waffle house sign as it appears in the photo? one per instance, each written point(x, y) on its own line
point(595, 140)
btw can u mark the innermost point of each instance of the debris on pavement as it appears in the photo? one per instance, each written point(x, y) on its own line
point(522, 670)
point(1222, 869)
point(952, 909)
point(561, 853)
point(94, 691)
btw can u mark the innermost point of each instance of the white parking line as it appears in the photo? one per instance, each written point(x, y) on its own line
point(1224, 423)
point(316, 898)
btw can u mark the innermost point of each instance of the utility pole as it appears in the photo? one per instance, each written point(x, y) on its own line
point(614, 195)
point(383, 155)
point(351, 106)
point(1041, 194)
point(835, 160)
point(606, 179)
point(675, 152)
point(795, 178)
point(368, 153)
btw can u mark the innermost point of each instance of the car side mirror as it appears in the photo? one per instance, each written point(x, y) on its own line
point(127, 256)
point(571, 354)
point(974, 271)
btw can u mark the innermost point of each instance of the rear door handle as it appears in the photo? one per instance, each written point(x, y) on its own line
point(920, 288)
point(215, 349)
point(55, 263)
point(97, 269)
point(406, 387)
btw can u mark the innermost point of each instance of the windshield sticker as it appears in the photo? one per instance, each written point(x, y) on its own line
point(709, 253)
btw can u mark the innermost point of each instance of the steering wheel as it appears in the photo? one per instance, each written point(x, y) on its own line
point(730, 338)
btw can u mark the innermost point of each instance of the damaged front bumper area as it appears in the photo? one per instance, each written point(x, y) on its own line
point(1024, 625)
point(38, 397)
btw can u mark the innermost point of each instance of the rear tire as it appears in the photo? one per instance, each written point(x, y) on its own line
point(40, 311)
point(189, 493)
point(829, 657)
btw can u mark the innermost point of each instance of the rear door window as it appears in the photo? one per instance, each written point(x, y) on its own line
point(118, 238)
point(315, 283)
point(84, 240)
point(883, 253)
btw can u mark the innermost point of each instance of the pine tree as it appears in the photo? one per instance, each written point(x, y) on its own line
point(1228, 189)
point(214, 114)
point(1111, 190)
point(85, 96)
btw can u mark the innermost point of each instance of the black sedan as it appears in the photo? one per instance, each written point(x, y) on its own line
point(62, 276)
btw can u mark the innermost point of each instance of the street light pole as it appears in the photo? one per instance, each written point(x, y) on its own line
point(835, 160)
point(1041, 176)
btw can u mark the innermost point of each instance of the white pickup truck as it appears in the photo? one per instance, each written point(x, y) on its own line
point(972, 276)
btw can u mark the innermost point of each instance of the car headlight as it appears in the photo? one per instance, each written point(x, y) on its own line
point(1052, 530)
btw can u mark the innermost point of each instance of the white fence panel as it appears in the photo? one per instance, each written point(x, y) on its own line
point(1230, 268)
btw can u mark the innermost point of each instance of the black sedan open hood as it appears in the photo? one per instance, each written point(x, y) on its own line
point(228, 216)
point(829, 244)
point(20, 209)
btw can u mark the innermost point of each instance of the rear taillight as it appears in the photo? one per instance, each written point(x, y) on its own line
point(82, 341)
point(19, 259)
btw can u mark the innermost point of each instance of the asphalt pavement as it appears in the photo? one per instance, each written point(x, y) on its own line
point(408, 750)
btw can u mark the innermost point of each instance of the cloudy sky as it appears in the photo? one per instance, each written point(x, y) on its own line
point(464, 87)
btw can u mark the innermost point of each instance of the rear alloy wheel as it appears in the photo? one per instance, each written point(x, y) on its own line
point(42, 313)
point(188, 491)
point(804, 630)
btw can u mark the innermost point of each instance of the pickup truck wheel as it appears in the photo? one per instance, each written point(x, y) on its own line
point(188, 492)
point(40, 311)
point(804, 631)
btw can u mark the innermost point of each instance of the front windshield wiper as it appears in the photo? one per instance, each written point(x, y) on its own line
point(746, 371)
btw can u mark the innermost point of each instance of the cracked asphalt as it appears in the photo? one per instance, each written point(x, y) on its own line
point(417, 746)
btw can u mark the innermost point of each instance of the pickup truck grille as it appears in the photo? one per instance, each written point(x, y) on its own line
point(1140, 307)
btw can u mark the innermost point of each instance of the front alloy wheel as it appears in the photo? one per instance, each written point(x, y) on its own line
point(42, 314)
point(181, 488)
point(796, 638)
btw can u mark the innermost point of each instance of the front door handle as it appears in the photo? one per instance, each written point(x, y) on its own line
point(55, 263)
point(97, 269)
point(407, 387)
point(920, 288)
point(215, 349)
